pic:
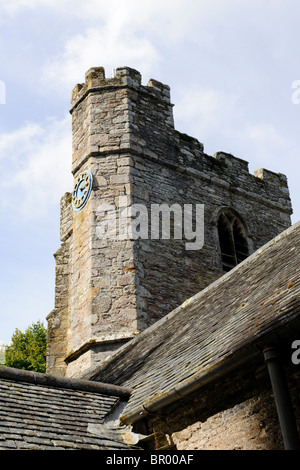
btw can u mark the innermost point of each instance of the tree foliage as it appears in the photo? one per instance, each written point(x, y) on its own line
point(28, 350)
point(2, 354)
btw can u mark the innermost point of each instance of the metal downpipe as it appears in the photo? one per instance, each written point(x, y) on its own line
point(282, 399)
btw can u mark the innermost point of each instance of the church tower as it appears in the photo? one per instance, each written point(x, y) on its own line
point(151, 219)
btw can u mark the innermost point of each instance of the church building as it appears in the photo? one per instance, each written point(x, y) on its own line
point(152, 219)
point(176, 323)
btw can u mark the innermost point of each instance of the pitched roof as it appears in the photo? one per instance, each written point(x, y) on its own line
point(41, 412)
point(255, 304)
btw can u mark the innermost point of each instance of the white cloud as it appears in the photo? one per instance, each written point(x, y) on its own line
point(25, 135)
point(37, 161)
point(265, 133)
point(107, 47)
point(268, 145)
point(206, 110)
point(14, 6)
point(134, 33)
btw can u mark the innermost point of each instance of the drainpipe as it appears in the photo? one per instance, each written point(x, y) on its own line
point(282, 399)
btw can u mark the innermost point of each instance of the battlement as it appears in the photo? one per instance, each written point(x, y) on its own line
point(240, 167)
point(124, 77)
point(278, 179)
point(119, 114)
point(232, 161)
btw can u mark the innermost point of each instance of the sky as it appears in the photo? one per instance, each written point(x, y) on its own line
point(233, 68)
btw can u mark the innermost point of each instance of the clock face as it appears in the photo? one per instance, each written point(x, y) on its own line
point(82, 190)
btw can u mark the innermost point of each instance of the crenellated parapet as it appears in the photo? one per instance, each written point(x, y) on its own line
point(277, 179)
point(118, 114)
point(95, 80)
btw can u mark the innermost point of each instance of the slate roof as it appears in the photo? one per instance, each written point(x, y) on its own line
point(254, 305)
point(39, 412)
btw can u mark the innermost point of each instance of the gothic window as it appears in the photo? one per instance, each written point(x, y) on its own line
point(232, 238)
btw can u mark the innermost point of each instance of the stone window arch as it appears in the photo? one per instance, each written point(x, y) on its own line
point(232, 239)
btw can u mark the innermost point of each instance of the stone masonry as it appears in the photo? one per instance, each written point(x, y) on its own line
point(110, 288)
point(236, 413)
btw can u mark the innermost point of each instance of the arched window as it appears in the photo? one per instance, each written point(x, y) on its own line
point(232, 238)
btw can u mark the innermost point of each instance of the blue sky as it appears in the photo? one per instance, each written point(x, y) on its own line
point(231, 66)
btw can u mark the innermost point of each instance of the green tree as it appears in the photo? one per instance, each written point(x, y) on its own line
point(2, 354)
point(28, 350)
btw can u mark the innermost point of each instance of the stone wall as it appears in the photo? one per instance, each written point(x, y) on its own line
point(58, 320)
point(115, 287)
point(237, 413)
point(166, 266)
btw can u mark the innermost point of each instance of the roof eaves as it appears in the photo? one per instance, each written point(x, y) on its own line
point(63, 382)
point(275, 337)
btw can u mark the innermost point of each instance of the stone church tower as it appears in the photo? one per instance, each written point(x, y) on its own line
point(116, 271)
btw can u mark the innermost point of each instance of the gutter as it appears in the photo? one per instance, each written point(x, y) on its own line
point(197, 381)
point(248, 352)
